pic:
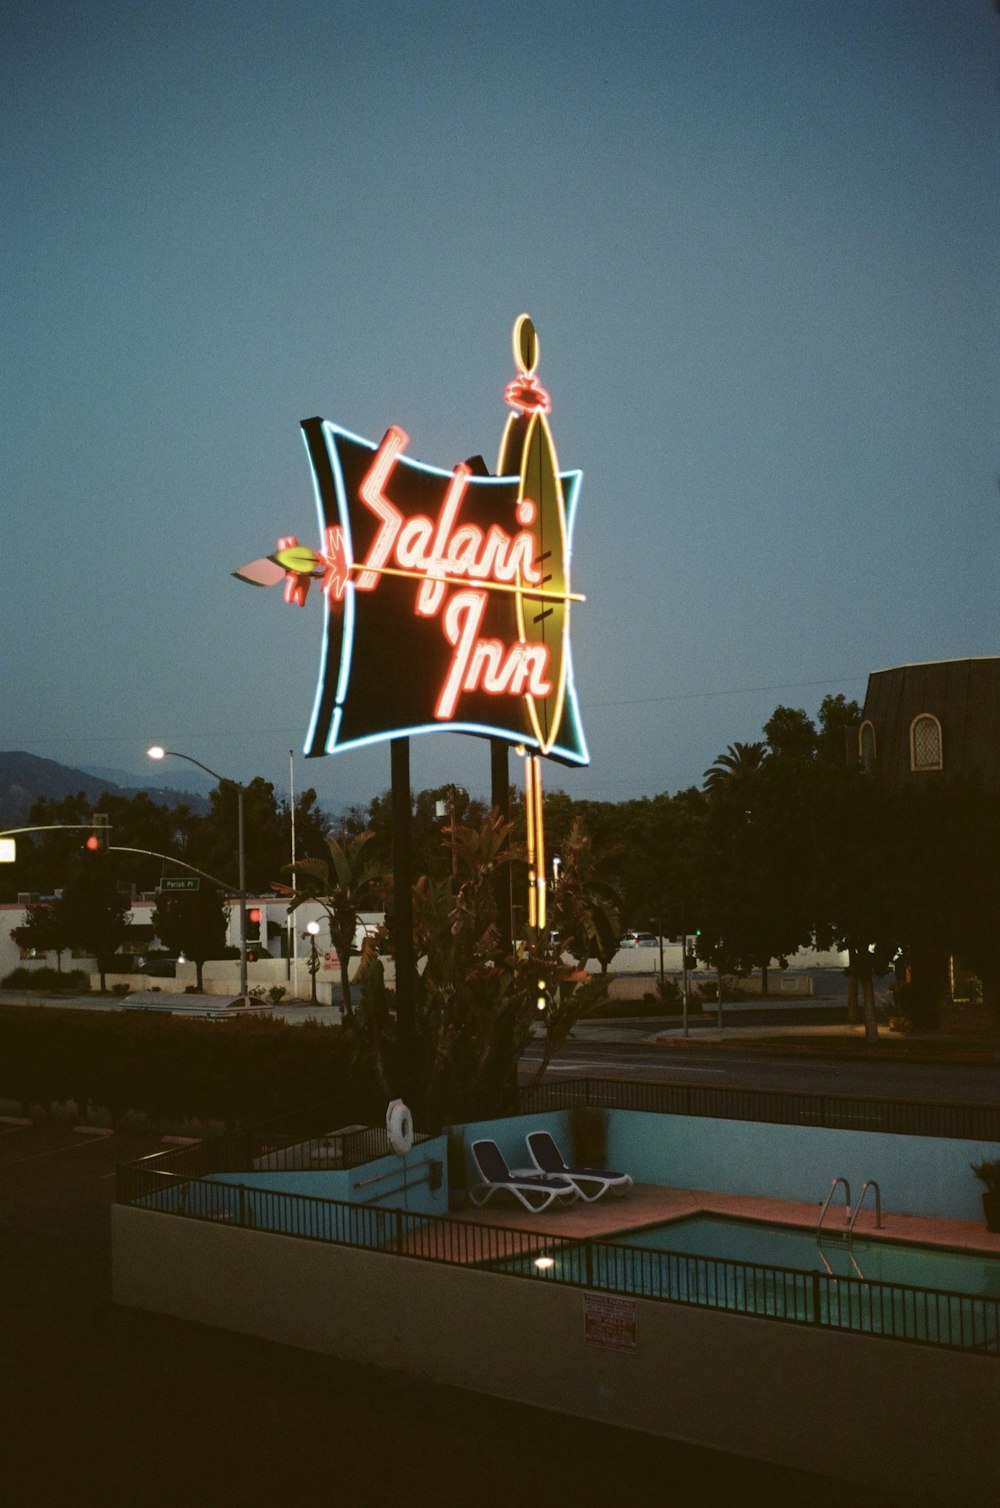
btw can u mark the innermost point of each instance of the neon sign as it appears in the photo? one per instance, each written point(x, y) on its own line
point(447, 594)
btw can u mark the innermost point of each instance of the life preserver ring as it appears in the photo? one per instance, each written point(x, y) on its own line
point(399, 1125)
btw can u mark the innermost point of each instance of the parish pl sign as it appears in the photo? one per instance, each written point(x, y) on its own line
point(446, 594)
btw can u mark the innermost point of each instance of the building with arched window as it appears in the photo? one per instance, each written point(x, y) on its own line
point(942, 716)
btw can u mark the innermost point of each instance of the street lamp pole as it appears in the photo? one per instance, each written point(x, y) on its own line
point(158, 752)
point(313, 930)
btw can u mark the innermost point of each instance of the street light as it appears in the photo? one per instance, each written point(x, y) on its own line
point(158, 752)
point(313, 930)
point(447, 809)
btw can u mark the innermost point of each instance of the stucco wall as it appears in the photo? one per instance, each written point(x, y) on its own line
point(917, 1175)
point(393, 1181)
point(902, 1417)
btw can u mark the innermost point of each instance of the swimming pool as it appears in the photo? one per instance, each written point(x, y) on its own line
point(780, 1246)
point(905, 1292)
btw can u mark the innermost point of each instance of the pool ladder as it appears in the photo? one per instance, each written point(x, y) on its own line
point(849, 1218)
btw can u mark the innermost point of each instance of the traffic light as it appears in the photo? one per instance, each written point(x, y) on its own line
point(253, 933)
point(100, 832)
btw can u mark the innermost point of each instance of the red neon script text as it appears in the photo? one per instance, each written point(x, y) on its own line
point(487, 664)
point(433, 548)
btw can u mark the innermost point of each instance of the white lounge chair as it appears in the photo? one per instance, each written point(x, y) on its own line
point(590, 1183)
point(536, 1191)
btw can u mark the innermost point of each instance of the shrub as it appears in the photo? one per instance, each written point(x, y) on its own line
point(988, 1174)
point(668, 991)
point(241, 1072)
point(72, 982)
point(917, 1002)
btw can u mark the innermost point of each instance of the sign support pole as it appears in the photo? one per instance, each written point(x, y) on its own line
point(402, 887)
point(500, 800)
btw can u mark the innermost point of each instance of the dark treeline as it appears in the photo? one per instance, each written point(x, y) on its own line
point(787, 843)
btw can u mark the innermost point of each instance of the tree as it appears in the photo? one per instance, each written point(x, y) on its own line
point(428, 854)
point(44, 930)
point(476, 1004)
point(267, 833)
point(353, 881)
point(791, 736)
point(836, 741)
point(737, 768)
point(93, 911)
point(856, 860)
point(193, 922)
point(584, 910)
point(750, 889)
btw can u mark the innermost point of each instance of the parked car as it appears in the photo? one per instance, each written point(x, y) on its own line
point(158, 968)
point(639, 940)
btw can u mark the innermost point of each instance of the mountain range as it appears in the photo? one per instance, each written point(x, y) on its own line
point(25, 778)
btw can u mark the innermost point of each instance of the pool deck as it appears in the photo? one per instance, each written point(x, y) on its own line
point(647, 1204)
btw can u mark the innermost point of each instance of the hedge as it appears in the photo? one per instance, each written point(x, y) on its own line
point(239, 1072)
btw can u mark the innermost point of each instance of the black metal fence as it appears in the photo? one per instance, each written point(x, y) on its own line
point(288, 1145)
point(895, 1311)
point(844, 1112)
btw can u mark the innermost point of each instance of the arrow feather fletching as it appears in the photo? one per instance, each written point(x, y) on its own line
point(260, 573)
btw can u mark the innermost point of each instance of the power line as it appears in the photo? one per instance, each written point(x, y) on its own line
point(687, 696)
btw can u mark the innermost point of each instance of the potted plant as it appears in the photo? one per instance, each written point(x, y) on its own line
point(988, 1173)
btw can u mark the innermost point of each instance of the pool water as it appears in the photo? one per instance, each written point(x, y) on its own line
point(779, 1246)
point(906, 1292)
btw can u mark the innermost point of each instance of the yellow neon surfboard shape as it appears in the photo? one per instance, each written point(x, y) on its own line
point(528, 451)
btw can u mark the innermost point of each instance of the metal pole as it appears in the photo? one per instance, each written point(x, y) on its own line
point(157, 752)
point(293, 936)
point(454, 835)
point(243, 895)
point(500, 799)
point(659, 930)
point(684, 960)
point(402, 888)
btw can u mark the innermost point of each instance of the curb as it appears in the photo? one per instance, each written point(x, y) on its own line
point(772, 1047)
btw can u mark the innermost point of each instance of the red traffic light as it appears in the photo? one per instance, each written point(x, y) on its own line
point(93, 843)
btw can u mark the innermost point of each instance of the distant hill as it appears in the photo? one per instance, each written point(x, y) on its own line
point(24, 778)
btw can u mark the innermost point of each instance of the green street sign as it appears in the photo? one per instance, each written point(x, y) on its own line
point(180, 882)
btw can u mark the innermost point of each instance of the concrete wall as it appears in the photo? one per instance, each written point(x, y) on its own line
point(509, 1135)
point(917, 1175)
point(393, 1181)
point(904, 1418)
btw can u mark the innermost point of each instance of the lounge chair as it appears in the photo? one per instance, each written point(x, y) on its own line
point(590, 1183)
point(536, 1191)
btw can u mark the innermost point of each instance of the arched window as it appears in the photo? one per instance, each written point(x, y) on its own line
point(866, 746)
point(925, 743)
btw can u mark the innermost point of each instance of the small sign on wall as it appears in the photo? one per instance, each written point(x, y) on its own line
point(610, 1322)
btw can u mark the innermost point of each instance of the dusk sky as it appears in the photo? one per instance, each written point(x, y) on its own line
point(760, 245)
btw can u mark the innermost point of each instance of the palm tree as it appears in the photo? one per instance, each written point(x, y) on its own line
point(354, 881)
point(735, 769)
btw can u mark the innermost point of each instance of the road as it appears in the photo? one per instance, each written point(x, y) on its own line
point(621, 1048)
